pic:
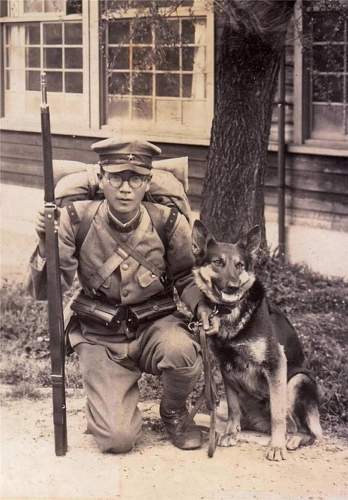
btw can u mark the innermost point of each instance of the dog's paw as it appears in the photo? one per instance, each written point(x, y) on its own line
point(298, 440)
point(293, 443)
point(227, 440)
point(276, 453)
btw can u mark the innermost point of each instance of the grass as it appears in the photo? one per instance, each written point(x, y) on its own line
point(316, 305)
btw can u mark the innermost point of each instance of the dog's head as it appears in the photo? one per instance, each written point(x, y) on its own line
point(224, 271)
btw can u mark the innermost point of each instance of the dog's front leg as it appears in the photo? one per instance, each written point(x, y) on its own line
point(277, 391)
point(232, 429)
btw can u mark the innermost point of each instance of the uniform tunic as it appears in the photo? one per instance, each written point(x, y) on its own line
point(111, 362)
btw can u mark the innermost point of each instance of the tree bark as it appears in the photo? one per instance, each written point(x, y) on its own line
point(248, 50)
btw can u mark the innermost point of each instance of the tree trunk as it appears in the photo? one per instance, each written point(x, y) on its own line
point(249, 47)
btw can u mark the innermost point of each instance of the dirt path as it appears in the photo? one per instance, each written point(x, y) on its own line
point(155, 469)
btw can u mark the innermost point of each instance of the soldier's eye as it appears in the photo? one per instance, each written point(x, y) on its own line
point(240, 266)
point(218, 262)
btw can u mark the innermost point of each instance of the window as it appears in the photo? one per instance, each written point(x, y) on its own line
point(156, 73)
point(34, 43)
point(57, 49)
point(17, 8)
point(326, 67)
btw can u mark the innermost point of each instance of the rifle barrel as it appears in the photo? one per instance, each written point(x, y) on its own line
point(54, 293)
point(46, 143)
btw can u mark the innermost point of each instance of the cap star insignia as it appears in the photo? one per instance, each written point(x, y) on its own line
point(131, 157)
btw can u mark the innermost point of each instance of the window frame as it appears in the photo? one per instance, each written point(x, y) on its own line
point(10, 121)
point(303, 103)
point(93, 126)
point(171, 135)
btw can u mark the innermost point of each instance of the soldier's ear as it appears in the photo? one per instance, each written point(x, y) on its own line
point(148, 182)
point(201, 238)
point(253, 240)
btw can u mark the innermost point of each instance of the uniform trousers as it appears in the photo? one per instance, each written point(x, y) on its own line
point(111, 372)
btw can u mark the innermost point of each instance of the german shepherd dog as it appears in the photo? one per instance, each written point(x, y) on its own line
point(268, 389)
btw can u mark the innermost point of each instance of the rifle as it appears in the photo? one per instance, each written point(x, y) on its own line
point(54, 293)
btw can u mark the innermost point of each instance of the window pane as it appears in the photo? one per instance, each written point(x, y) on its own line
point(119, 58)
point(328, 119)
point(54, 81)
point(73, 33)
point(118, 107)
point(52, 34)
point(73, 58)
point(32, 80)
point(142, 109)
point(74, 7)
point(119, 83)
point(119, 32)
point(194, 86)
point(73, 82)
point(167, 32)
point(328, 88)
point(167, 58)
point(327, 26)
point(54, 6)
point(167, 85)
point(32, 34)
point(143, 58)
point(32, 59)
point(142, 84)
point(188, 31)
point(52, 58)
point(33, 6)
point(168, 111)
point(141, 31)
point(328, 58)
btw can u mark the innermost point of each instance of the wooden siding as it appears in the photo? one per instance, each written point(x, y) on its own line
point(317, 186)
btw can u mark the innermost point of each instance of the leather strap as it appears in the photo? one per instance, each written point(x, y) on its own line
point(136, 256)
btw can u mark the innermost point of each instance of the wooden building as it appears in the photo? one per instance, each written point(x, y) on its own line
point(103, 82)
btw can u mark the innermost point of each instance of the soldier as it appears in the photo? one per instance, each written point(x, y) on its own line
point(112, 358)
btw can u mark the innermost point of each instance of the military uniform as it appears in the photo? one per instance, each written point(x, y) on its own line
point(112, 360)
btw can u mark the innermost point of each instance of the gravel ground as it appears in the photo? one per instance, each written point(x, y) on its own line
point(155, 469)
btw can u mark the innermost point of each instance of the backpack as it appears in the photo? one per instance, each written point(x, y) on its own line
point(76, 181)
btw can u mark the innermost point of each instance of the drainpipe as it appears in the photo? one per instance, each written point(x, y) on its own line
point(281, 160)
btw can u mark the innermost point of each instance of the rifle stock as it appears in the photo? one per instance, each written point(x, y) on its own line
point(54, 293)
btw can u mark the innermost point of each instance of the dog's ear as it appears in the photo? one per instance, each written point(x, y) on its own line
point(201, 238)
point(253, 240)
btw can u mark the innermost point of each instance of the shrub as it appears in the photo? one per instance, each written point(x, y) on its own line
point(316, 305)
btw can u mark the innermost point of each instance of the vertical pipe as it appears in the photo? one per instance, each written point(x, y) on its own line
point(281, 159)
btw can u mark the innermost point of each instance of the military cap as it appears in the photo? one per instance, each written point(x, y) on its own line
point(116, 155)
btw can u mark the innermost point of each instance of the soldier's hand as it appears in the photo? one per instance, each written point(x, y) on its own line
point(40, 224)
point(40, 229)
point(210, 321)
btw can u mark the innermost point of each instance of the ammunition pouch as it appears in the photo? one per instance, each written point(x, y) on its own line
point(112, 316)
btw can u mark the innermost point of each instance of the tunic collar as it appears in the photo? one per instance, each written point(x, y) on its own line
point(128, 226)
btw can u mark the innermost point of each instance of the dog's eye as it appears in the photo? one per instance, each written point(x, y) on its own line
point(218, 262)
point(240, 266)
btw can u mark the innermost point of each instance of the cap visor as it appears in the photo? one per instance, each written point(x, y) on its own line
point(127, 166)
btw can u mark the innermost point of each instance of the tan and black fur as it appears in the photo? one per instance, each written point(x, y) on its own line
point(268, 388)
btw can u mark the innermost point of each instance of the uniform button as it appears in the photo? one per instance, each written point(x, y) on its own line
point(124, 237)
point(124, 267)
point(125, 293)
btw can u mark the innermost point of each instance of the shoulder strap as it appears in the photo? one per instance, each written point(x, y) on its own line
point(84, 222)
point(165, 229)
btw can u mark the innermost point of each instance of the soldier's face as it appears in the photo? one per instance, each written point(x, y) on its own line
point(124, 200)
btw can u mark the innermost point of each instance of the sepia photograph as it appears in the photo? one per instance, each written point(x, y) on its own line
point(174, 235)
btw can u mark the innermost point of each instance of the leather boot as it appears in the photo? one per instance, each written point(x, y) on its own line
point(177, 385)
point(183, 432)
